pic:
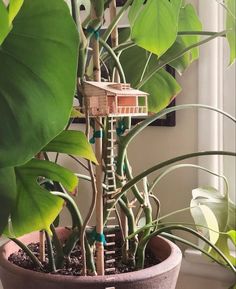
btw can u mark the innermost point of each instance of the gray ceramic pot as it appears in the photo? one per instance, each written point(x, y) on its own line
point(161, 276)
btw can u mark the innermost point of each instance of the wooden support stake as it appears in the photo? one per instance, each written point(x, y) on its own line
point(98, 169)
point(42, 246)
point(114, 34)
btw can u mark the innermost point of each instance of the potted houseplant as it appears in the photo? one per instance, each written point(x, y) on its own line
point(42, 52)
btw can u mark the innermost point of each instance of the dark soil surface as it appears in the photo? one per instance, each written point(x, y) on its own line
point(73, 265)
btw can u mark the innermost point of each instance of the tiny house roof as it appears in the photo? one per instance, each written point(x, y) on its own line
point(121, 89)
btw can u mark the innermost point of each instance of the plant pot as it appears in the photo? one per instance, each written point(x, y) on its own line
point(160, 276)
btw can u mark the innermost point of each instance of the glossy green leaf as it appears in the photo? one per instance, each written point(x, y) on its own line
point(7, 195)
point(36, 208)
point(181, 63)
point(14, 8)
point(155, 28)
point(231, 26)
point(4, 23)
point(134, 10)
point(189, 21)
point(162, 87)
point(72, 142)
point(37, 79)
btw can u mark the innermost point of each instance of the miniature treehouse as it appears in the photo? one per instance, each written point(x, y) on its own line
point(115, 99)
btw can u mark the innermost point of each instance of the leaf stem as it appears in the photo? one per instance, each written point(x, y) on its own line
point(31, 255)
point(162, 64)
point(115, 58)
point(51, 259)
point(116, 20)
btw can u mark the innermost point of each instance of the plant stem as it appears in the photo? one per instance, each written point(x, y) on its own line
point(146, 66)
point(171, 169)
point(51, 259)
point(136, 179)
point(125, 140)
point(58, 248)
point(193, 232)
point(206, 33)
point(176, 238)
point(31, 255)
point(116, 20)
point(79, 222)
point(162, 64)
point(115, 58)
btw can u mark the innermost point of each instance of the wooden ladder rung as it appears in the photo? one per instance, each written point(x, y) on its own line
point(109, 170)
point(111, 218)
point(108, 244)
point(110, 201)
point(110, 270)
point(110, 252)
point(110, 235)
point(110, 193)
point(110, 261)
point(110, 226)
point(111, 157)
point(111, 209)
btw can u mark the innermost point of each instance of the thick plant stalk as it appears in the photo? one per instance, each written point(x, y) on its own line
point(73, 239)
point(58, 248)
point(182, 228)
point(139, 177)
point(31, 255)
point(51, 258)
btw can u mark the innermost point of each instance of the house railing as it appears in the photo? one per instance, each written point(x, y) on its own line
point(131, 110)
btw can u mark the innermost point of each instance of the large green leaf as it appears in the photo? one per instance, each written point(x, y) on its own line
point(4, 23)
point(36, 208)
point(162, 87)
point(189, 21)
point(156, 25)
point(14, 8)
point(181, 63)
point(134, 10)
point(231, 26)
point(72, 142)
point(38, 62)
point(7, 195)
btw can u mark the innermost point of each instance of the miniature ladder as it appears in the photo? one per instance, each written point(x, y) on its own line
point(111, 190)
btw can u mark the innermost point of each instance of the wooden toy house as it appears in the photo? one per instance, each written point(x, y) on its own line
point(115, 99)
